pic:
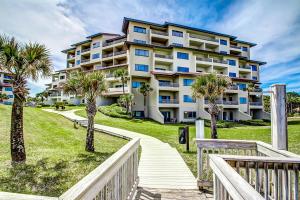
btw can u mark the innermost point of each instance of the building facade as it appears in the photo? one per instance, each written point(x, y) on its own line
point(6, 88)
point(169, 57)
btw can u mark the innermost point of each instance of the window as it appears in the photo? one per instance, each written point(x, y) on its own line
point(188, 99)
point(243, 100)
point(10, 96)
point(223, 42)
point(78, 52)
point(177, 44)
point(232, 62)
point(141, 52)
point(164, 99)
point(254, 67)
point(164, 83)
point(183, 69)
point(189, 115)
point(139, 41)
point(223, 52)
point(8, 89)
point(188, 82)
point(96, 55)
point(181, 55)
point(242, 86)
point(138, 114)
point(136, 84)
point(254, 77)
point(7, 77)
point(62, 77)
point(177, 33)
point(244, 48)
point(96, 45)
point(232, 74)
point(140, 67)
point(138, 29)
point(77, 62)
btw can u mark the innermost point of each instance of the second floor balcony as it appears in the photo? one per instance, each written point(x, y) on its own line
point(163, 56)
point(168, 101)
point(156, 32)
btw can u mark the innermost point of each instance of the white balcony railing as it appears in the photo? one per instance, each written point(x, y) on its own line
point(168, 101)
point(159, 32)
point(235, 47)
point(256, 103)
point(204, 59)
point(204, 38)
point(163, 56)
point(166, 84)
point(113, 42)
point(85, 50)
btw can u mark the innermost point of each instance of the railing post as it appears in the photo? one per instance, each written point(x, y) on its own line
point(279, 117)
point(199, 129)
point(199, 135)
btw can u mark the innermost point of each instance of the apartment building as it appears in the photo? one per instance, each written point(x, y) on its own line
point(169, 57)
point(6, 88)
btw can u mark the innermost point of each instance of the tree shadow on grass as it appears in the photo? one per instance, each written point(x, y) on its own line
point(294, 122)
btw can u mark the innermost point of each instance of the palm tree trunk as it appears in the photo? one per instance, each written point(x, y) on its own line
point(213, 126)
point(91, 110)
point(123, 85)
point(18, 153)
point(248, 104)
point(145, 105)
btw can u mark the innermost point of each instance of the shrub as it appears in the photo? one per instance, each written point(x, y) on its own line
point(255, 122)
point(114, 111)
point(59, 105)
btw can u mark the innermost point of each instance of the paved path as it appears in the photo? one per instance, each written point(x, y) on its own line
point(160, 167)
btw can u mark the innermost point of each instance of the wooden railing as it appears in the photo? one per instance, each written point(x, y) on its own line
point(115, 178)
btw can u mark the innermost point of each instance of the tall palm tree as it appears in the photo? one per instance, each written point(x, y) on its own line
point(23, 61)
point(123, 74)
point(126, 100)
point(250, 88)
point(211, 87)
point(90, 86)
point(145, 89)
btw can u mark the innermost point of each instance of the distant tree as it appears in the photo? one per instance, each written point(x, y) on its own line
point(123, 74)
point(293, 101)
point(126, 100)
point(3, 97)
point(250, 88)
point(88, 85)
point(24, 61)
point(266, 100)
point(145, 90)
point(42, 96)
point(211, 87)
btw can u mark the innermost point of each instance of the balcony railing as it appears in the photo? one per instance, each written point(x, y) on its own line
point(158, 44)
point(162, 84)
point(113, 42)
point(204, 59)
point(85, 60)
point(159, 32)
point(224, 102)
point(235, 47)
point(119, 52)
point(204, 38)
point(107, 55)
point(245, 67)
point(220, 61)
point(256, 90)
point(256, 103)
point(233, 87)
point(85, 50)
point(163, 56)
point(168, 101)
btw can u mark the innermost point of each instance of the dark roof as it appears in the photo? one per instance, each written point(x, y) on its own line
point(192, 49)
point(116, 38)
point(69, 49)
point(82, 42)
point(166, 24)
point(99, 34)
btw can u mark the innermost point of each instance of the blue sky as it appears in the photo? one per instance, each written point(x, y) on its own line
point(273, 24)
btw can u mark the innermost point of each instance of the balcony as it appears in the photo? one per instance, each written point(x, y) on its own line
point(248, 67)
point(204, 59)
point(116, 91)
point(165, 84)
point(107, 55)
point(105, 44)
point(168, 101)
point(71, 57)
point(85, 60)
point(85, 50)
point(258, 103)
point(220, 61)
point(159, 33)
point(235, 47)
point(163, 56)
point(204, 38)
point(119, 53)
point(233, 87)
point(221, 102)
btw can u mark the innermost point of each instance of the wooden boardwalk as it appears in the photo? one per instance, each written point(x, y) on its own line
point(161, 166)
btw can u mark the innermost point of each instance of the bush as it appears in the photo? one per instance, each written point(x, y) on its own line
point(39, 106)
point(114, 111)
point(255, 122)
point(70, 104)
point(60, 105)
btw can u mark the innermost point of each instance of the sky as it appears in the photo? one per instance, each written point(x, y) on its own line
point(274, 25)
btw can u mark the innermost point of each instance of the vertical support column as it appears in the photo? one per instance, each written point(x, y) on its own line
point(200, 129)
point(279, 117)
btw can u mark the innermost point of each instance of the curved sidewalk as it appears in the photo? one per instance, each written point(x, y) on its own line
point(161, 166)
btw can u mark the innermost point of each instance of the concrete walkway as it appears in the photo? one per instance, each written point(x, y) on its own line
point(161, 166)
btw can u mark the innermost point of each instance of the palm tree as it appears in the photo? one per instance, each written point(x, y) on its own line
point(126, 100)
point(123, 74)
point(250, 88)
point(145, 89)
point(23, 61)
point(90, 86)
point(211, 87)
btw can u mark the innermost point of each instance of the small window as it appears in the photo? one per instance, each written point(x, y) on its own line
point(177, 33)
point(177, 44)
point(181, 55)
point(140, 67)
point(78, 52)
point(77, 62)
point(232, 74)
point(96, 55)
point(140, 41)
point(254, 78)
point(141, 52)
point(242, 86)
point(232, 62)
point(136, 84)
point(223, 42)
point(254, 67)
point(244, 48)
point(96, 45)
point(8, 89)
point(138, 114)
point(189, 115)
point(188, 99)
point(183, 69)
point(62, 77)
point(188, 82)
point(243, 100)
point(223, 52)
point(138, 29)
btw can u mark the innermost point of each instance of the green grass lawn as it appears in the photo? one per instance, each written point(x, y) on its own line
point(56, 158)
point(169, 134)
